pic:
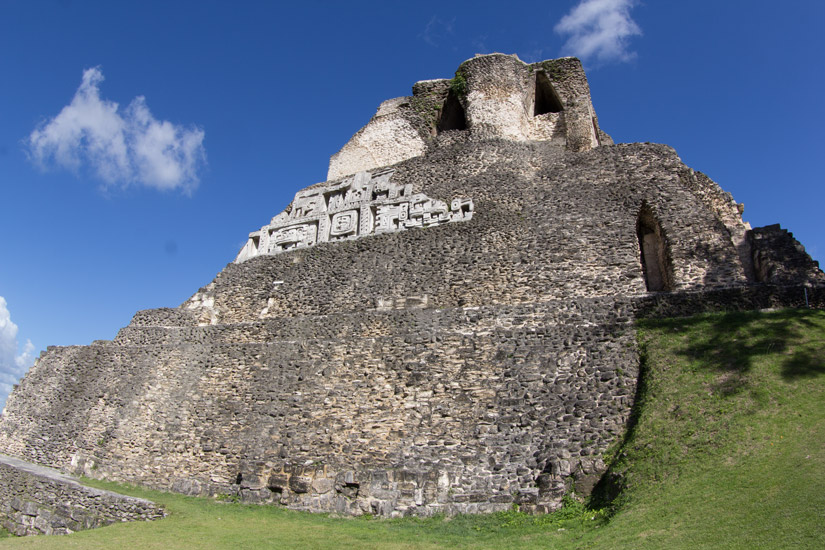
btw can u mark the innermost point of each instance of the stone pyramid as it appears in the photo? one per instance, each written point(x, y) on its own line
point(444, 326)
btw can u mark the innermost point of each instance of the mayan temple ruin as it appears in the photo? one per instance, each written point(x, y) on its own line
point(445, 325)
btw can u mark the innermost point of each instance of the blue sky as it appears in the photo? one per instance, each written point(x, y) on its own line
point(141, 141)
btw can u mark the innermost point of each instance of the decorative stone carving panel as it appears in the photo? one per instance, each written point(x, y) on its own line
point(293, 236)
point(364, 204)
point(344, 224)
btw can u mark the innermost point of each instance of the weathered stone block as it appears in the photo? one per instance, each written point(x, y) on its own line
point(300, 484)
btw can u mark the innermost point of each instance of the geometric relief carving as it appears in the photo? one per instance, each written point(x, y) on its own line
point(361, 205)
point(344, 223)
point(390, 217)
point(292, 237)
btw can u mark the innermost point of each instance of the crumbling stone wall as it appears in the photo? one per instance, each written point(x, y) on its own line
point(494, 96)
point(40, 501)
point(546, 225)
point(779, 258)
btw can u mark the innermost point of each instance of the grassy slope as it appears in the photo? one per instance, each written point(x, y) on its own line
point(728, 451)
point(729, 448)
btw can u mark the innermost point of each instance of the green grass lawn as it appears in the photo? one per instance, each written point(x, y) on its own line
point(726, 450)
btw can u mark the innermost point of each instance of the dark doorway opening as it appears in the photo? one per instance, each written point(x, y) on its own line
point(452, 115)
point(655, 252)
point(547, 101)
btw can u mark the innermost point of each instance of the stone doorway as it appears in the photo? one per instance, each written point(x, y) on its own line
point(655, 252)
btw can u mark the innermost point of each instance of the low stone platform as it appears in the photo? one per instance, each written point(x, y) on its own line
point(35, 500)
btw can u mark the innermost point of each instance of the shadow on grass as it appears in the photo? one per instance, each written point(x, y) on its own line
point(804, 364)
point(730, 343)
point(610, 486)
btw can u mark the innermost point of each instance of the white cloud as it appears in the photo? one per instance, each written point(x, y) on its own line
point(12, 365)
point(120, 147)
point(599, 29)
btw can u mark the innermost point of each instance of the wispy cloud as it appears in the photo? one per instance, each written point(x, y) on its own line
point(599, 29)
point(120, 146)
point(12, 365)
point(532, 56)
point(436, 30)
point(479, 43)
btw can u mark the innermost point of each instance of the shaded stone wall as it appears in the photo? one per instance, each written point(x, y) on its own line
point(36, 500)
point(741, 298)
point(779, 258)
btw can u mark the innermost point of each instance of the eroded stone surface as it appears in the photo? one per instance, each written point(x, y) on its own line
point(389, 138)
point(779, 258)
point(493, 96)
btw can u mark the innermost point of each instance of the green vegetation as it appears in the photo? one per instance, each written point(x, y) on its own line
point(428, 108)
point(552, 69)
point(458, 84)
point(727, 446)
point(725, 451)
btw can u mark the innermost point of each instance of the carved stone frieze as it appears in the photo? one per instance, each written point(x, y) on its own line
point(367, 203)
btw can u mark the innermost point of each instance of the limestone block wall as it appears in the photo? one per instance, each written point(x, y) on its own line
point(36, 500)
point(462, 367)
point(501, 100)
point(392, 412)
point(563, 226)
